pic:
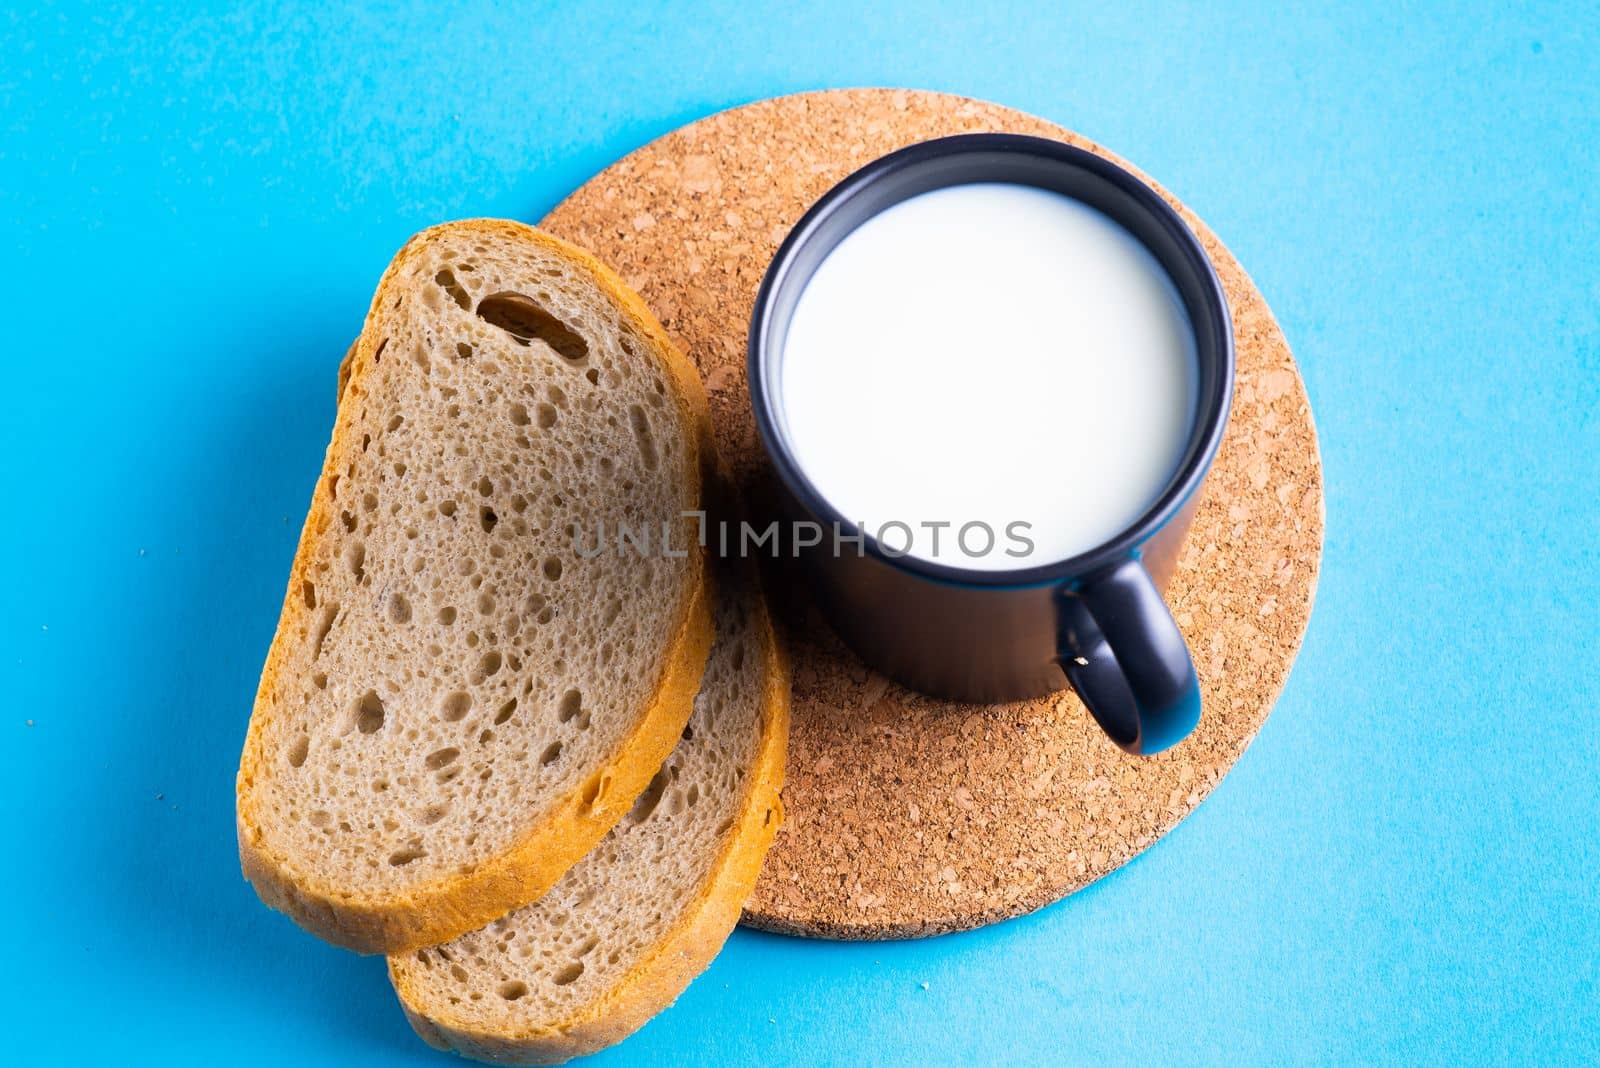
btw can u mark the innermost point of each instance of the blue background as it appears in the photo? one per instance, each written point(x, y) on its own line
point(195, 204)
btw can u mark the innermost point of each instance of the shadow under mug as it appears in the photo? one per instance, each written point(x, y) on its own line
point(1096, 621)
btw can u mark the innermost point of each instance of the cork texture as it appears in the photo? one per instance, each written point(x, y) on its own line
point(907, 815)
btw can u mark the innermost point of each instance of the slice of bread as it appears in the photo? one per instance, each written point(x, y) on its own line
point(459, 703)
point(630, 926)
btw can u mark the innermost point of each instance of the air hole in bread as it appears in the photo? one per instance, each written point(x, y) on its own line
point(464, 350)
point(552, 568)
point(551, 754)
point(455, 707)
point(593, 375)
point(569, 974)
point(355, 556)
point(319, 633)
point(369, 713)
point(643, 437)
point(571, 705)
point(647, 802)
point(440, 757)
point(547, 415)
point(595, 790)
point(487, 519)
point(447, 281)
point(513, 990)
point(485, 487)
point(405, 855)
point(505, 712)
point(399, 608)
point(526, 321)
point(299, 749)
point(308, 590)
point(519, 414)
point(447, 615)
point(433, 814)
point(458, 973)
point(487, 666)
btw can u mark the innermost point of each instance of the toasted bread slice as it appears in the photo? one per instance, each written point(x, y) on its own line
point(630, 926)
point(462, 698)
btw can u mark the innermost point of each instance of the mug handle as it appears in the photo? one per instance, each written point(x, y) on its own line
point(1122, 651)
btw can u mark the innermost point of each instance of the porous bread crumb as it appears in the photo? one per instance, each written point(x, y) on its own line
point(449, 671)
point(585, 960)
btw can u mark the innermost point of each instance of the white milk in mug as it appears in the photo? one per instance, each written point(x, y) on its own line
point(989, 354)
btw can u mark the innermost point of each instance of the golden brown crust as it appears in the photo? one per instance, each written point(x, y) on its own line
point(452, 906)
point(344, 369)
point(687, 948)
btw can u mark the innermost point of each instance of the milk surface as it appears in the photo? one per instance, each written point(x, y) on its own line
point(989, 354)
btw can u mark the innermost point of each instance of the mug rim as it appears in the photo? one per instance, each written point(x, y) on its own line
point(1212, 409)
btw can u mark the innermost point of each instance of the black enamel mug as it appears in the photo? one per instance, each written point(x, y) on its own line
point(1095, 621)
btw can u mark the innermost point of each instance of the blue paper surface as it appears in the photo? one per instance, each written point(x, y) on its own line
point(196, 201)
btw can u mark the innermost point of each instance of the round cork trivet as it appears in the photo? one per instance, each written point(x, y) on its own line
point(908, 815)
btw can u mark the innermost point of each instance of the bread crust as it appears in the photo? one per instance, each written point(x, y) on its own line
point(448, 907)
point(686, 950)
